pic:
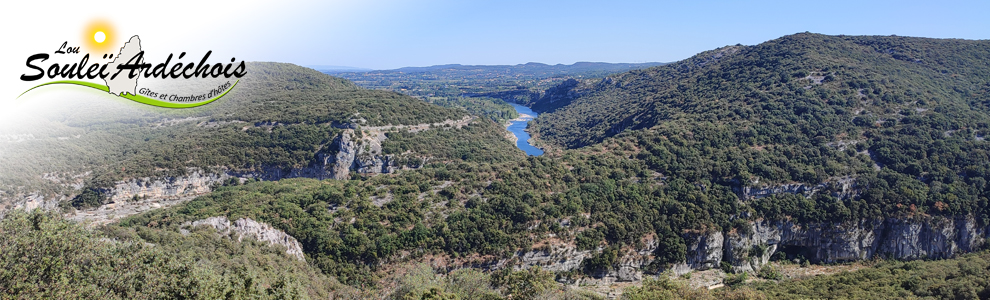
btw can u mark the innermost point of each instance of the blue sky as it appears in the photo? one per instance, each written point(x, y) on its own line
point(512, 32)
point(385, 34)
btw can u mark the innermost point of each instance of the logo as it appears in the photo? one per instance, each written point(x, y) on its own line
point(120, 76)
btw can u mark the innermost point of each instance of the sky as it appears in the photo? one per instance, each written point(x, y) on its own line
point(388, 34)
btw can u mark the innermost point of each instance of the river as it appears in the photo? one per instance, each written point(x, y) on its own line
point(518, 128)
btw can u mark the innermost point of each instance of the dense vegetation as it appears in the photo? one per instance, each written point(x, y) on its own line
point(480, 141)
point(796, 84)
point(904, 116)
point(44, 256)
point(650, 153)
point(462, 210)
point(966, 277)
point(492, 108)
point(277, 117)
point(47, 257)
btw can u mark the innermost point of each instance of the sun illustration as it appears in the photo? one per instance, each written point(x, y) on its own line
point(99, 38)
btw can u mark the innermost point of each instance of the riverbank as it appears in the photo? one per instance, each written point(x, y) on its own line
point(522, 118)
point(517, 127)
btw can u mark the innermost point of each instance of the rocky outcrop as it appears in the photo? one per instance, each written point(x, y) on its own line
point(339, 165)
point(906, 239)
point(558, 259)
point(365, 157)
point(196, 183)
point(704, 251)
point(840, 188)
point(34, 201)
point(750, 249)
point(344, 155)
point(351, 151)
point(245, 227)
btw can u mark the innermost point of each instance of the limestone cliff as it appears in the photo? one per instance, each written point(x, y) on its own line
point(840, 188)
point(920, 238)
point(34, 201)
point(196, 183)
point(351, 151)
point(356, 149)
point(905, 239)
point(245, 227)
point(362, 154)
point(343, 155)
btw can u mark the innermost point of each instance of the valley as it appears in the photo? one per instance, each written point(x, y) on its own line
point(807, 166)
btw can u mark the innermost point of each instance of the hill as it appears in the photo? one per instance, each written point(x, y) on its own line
point(808, 148)
point(825, 148)
point(801, 75)
point(902, 119)
point(483, 90)
point(532, 69)
point(457, 80)
point(280, 121)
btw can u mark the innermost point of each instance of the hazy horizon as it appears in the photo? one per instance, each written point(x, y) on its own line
point(391, 34)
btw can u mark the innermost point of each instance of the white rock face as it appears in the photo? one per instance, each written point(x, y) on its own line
point(363, 155)
point(349, 152)
point(196, 183)
point(629, 274)
point(30, 202)
point(922, 238)
point(704, 251)
point(340, 166)
point(841, 188)
point(245, 227)
point(556, 260)
point(342, 156)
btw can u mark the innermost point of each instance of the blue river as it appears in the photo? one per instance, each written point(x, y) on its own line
point(518, 128)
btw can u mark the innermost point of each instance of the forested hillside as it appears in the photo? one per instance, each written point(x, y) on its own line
point(906, 116)
point(786, 82)
point(791, 150)
point(277, 118)
point(45, 256)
